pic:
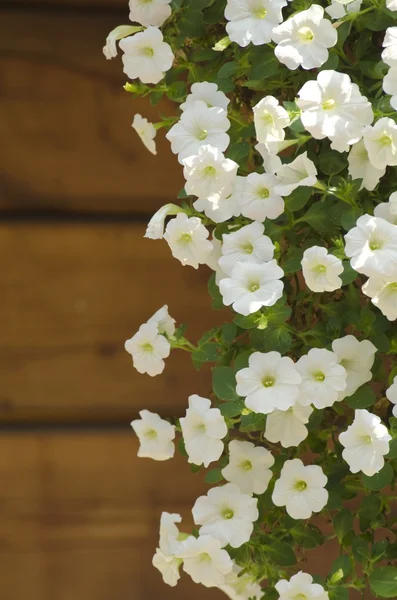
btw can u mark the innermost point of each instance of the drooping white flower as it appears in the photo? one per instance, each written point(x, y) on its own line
point(146, 55)
point(321, 270)
point(206, 92)
point(288, 426)
point(146, 132)
point(252, 20)
point(188, 239)
point(391, 4)
point(390, 85)
point(360, 167)
point(249, 467)
point(110, 48)
point(389, 54)
point(301, 489)
point(203, 428)
point(365, 442)
point(220, 211)
point(258, 199)
point(323, 378)
point(391, 394)
point(357, 358)
point(383, 294)
point(271, 161)
point(332, 106)
point(241, 587)
point(338, 10)
point(205, 560)
point(393, 203)
point(165, 559)
point(372, 247)
point(165, 323)
point(247, 245)
point(252, 286)
point(209, 175)
point(299, 172)
point(168, 567)
point(381, 143)
point(155, 228)
point(213, 260)
point(301, 586)
point(226, 514)
point(270, 119)
point(269, 382)
point(155, 436)
point(383, 210)
point(199, 126)
point(150, 12)
point(304, 39)
point(148, 349)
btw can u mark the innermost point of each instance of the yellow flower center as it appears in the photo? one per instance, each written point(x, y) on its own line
point(147, 347)
point(300, 485)
point(210, 170)
point(329, 104)
point(185, 238)
point(264, 193)
point(253, 287)
point(319, 376)
point(202, 135)
point(268, 381)
point(246, 465)
point(385, 140)
point(306, 34)
point(320, 268)
point(366, 439)
point(227, 513)
point(260, 13)
point(148, 51)
point(151, 433)
point(248, 249)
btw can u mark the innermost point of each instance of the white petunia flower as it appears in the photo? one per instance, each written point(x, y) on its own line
point(389, 54)
point(213, 260)
point(357, 358)
point(252, 20)
point(390, 85)
point(187, 238)
point(258, 199)
point(383, 294)
point(301, 587)
point(270, 119)
point(110, 48)
point(304, 39)
point(206, 92)
point(301, 489)
point(269, 382)
point(165, 559)
point(393, 203)
point(226, 514)
point(323, 378)
point(288, 426)
point(249, 467)
point(299, 172)
point(205, 560)
point(146, 132)
point(165, 323)
point(209, 175)
point(146, 55)
point(221, 211)
point(247, 245)
point(332, 106)
point(381, 143)
point(252, 286)
point(271, 162)
point(199, 126)
point(203, 429)
point(391, 395)
point(338, 10)
point(241, 587)
point(150, 12)
point(168, 567)
point(360, 167)
point(155, 436)
point(155, 228)
point(383, 210)
point(321, 270)
point(148, 349)
point(391, 4)
point(372, 247)
point(365, 442)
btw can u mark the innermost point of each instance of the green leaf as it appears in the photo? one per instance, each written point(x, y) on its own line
point(349, 275)
point(215, 294)
point(379, 480)
point(232, 409)
point(177, 91)
point(248, 322)
point(298, 199)
point(343, 524)
point(377, 20)
point(228, 69)
point(341, 568)
point(272, 338)
point(206, 353)
point(339, 593)
point(363, 398)
point(229, 332)
point(241, 360)
point(360, 549)
point(213, 476)
point(379, 550)
point(252, 422)
point(332, 162)
point(369, 509)
point(393, 449)
point(224, 383)
point(318, 217)
point(264, 65)
point(281, 553)
point(383, 582)
point(349, 217)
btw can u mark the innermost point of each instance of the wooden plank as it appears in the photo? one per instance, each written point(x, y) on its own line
point(69, 297)
point(67, 120)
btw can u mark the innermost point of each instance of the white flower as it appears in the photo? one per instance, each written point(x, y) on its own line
point(155, 228)
point(332, 106)
point(241, 587)
point(168, 567)
point(155, 436)
point(389, 54)
point(269, 382)
point(146, 56)
point(391, 394)
point(321, 270)
point(248, 245)
point(252, 20)
point(187, 238)
point(288, 426)
point(258, 199)
point(199, 126)
point(391, 4)
point(383, 294)
point(300, 586)
point(372, 247)
point(357, 358)
point(148, 349)
point(360, 167)
point(252, 286)
point(249, 467)
point(165, 559)
point(209, 175)
point(110, 48)
point(150, 12)
point(338, 10)
point(271, 162)
point(203, 429)
point(304, 39)
point(381, 143)
point(393, 203)
point(220, 211)
point(146, 132)
point(383, 210)
point(365, 443)
point(299, 172)
point(165, 323)
point(226, 514)
point(270, 119)
point(213, 260)
point(323, 378)
point(390, 85)
point(206, 92)
point(205, 560)
point(300, 489)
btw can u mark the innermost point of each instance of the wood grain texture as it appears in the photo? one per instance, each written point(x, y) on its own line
point(67, 121)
